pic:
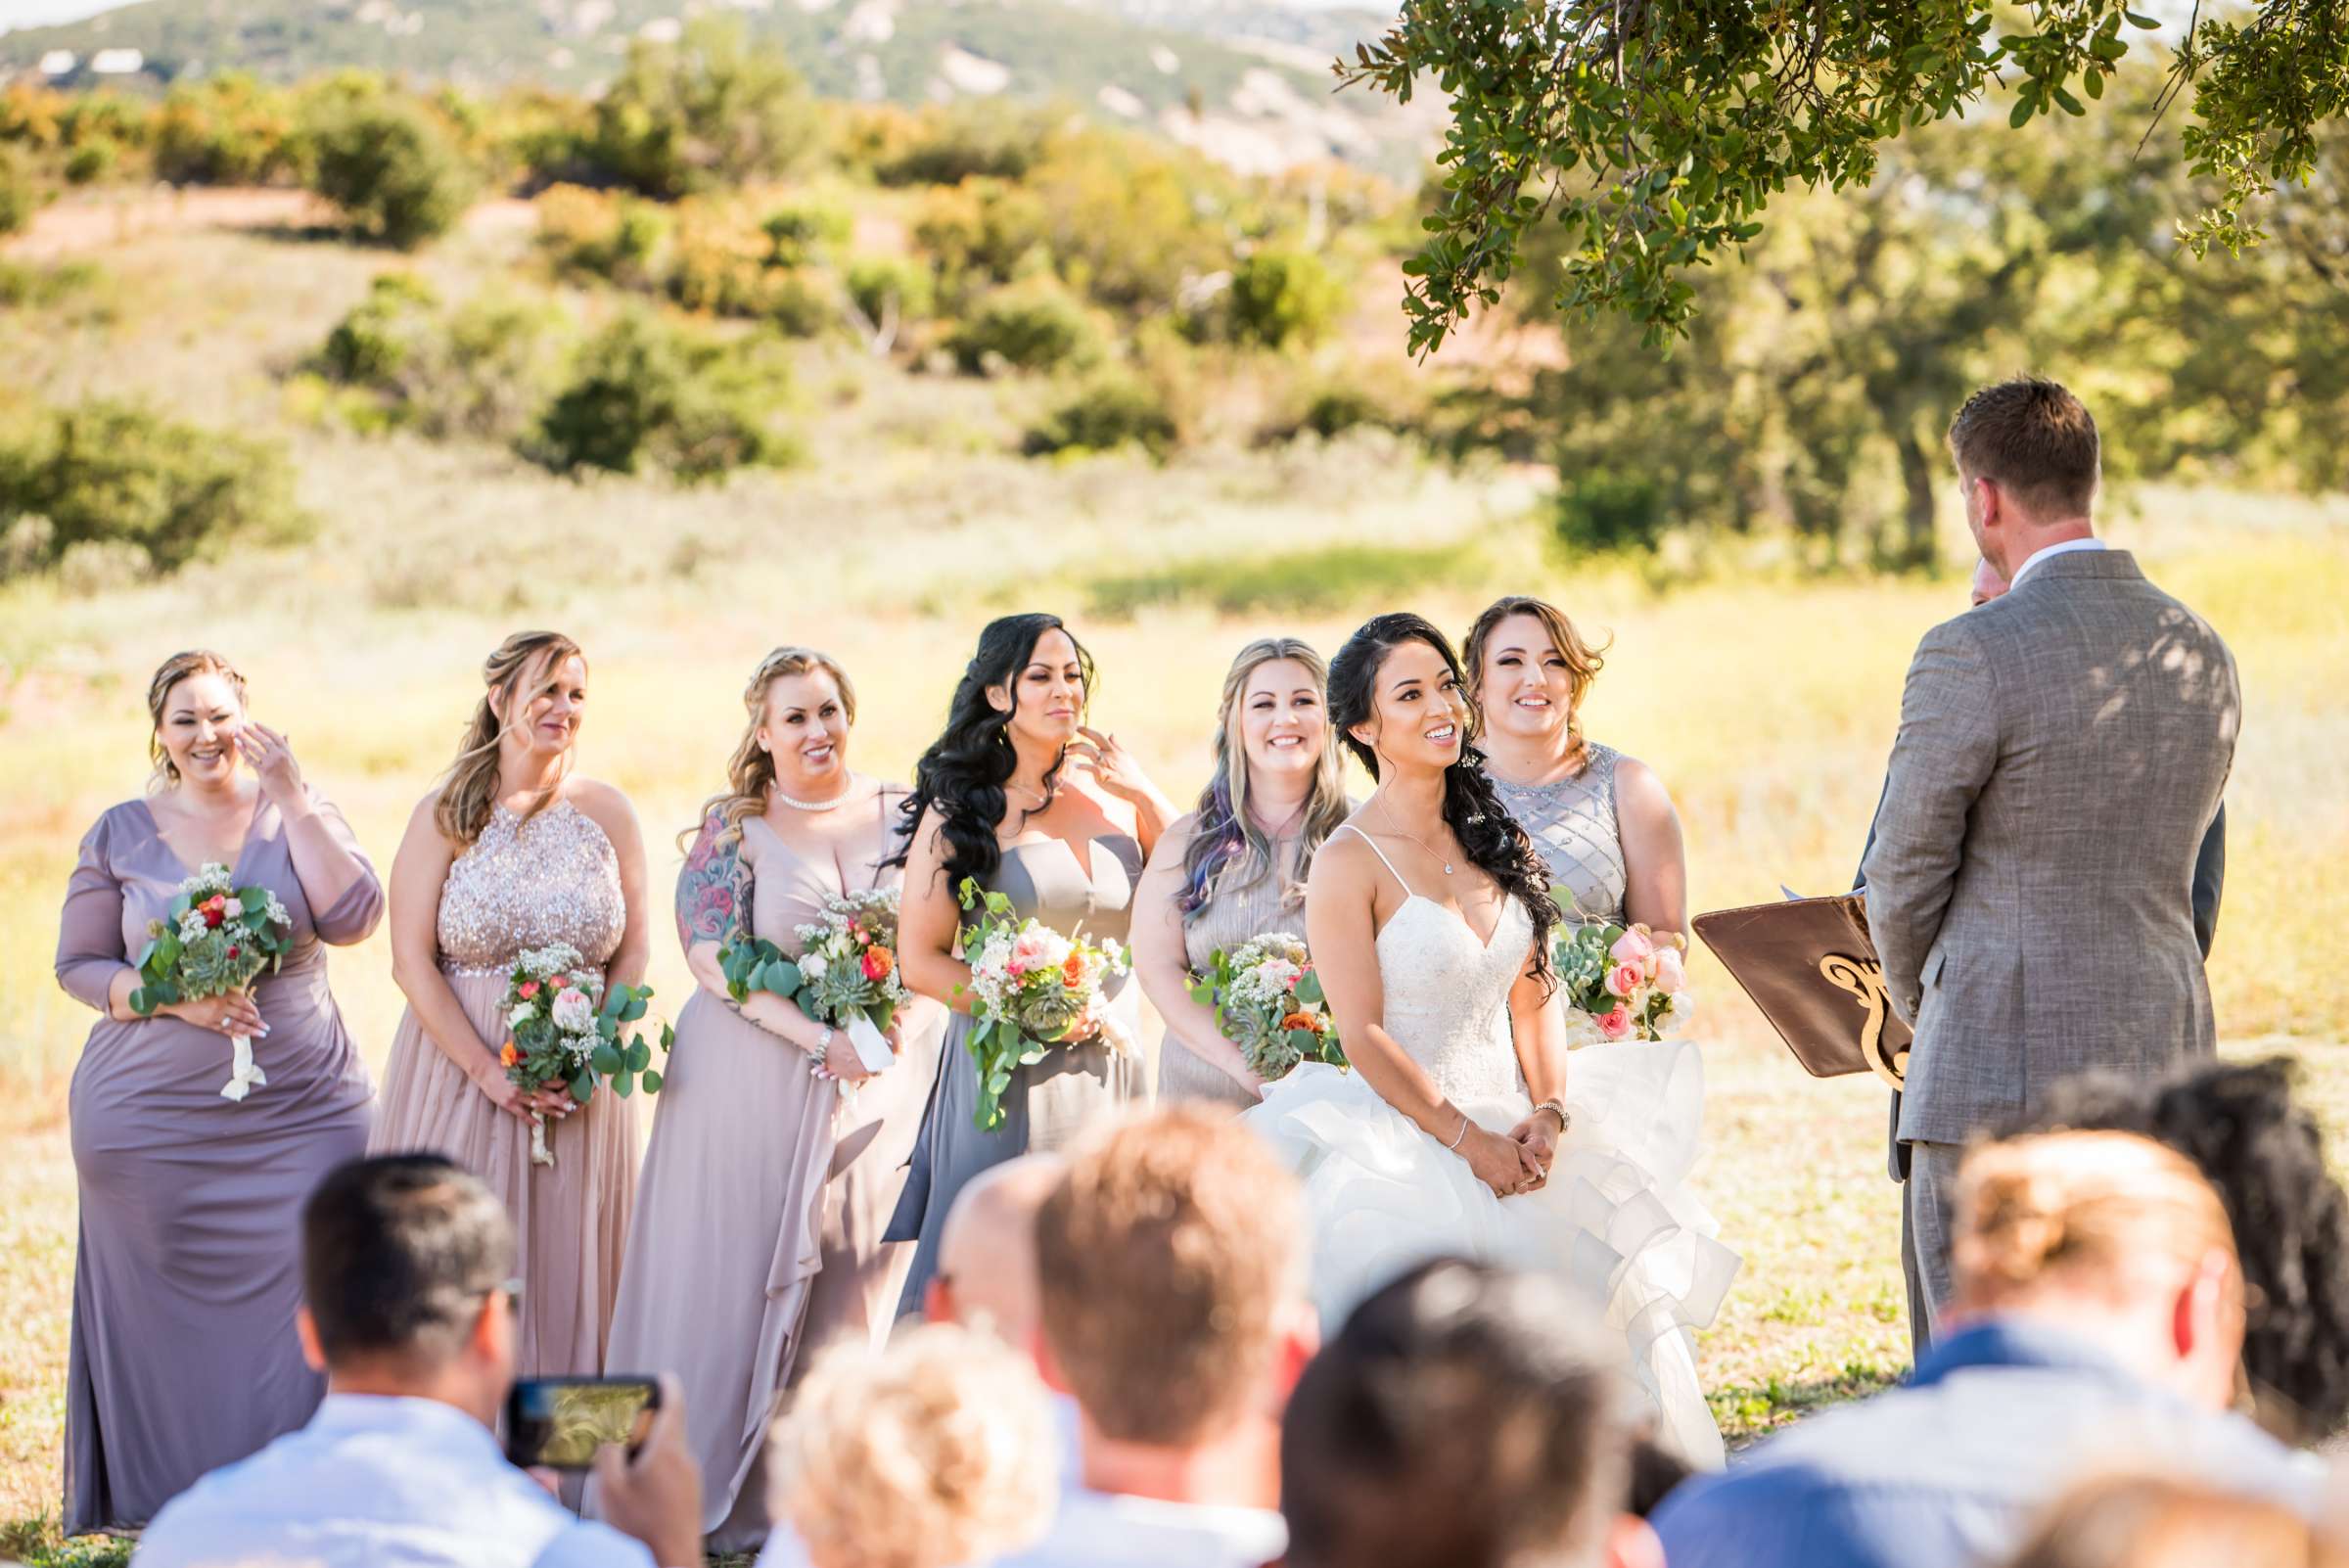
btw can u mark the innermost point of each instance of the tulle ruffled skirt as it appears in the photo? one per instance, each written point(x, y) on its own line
point(1382, 1196)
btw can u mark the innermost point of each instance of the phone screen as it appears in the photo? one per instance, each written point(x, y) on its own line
point(561, 1421)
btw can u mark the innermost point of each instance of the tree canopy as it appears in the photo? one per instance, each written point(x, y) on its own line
point(1657, 133)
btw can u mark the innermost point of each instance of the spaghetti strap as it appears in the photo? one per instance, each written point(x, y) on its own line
point(1348, 827)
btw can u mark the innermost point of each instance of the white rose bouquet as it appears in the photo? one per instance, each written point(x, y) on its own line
point(564, 1027)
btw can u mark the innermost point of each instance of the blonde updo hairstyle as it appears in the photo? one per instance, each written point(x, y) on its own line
point(174, 669)
point(1584, 661)
point(751, 771)
point(469, 789)
point(933, 1451)
point(2086, 1211)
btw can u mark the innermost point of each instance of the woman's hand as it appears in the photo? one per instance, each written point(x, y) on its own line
point(517, 1102)
point(1537, 1135)
point(1500, 1163)
point(231, 1015)
point(842, 1062)
point(272, 758)
point(1113, 767)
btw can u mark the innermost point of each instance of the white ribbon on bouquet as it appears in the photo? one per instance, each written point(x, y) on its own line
point(245, 1074)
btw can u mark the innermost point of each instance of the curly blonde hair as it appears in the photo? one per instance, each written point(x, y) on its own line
point(469, 789)
point(750, 770)
point(937, 1451)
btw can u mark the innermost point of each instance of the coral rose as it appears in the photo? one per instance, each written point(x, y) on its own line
point(1615, 1023)
point(877, 964)
point(527, 990)
point(507, 1055)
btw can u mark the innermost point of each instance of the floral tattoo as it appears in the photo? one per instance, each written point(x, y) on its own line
point(713, 889)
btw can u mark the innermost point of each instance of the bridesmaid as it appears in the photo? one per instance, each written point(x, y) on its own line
point(512, 851)
point(184, 1356)
point(735, 1296)
point(1019, 793)
point(1236, 868)
point(1603, 821)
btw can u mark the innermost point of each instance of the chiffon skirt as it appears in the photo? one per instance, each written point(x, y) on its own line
point(571, 1218)
point(1382, 1196)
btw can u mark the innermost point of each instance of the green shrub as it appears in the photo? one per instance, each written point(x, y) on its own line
point(706, 112)
point(91, 162)
point(482, 370)
point(227, 129)
point(1606, 508)
point(112, 474)
point(1280, 297)
point(1303, 582)
point(389, 163)
point(1031, 325)
point(645, 392)
point(20, 198)
point(589, 233)
point(982, 231)
point(799, 236)
point(883, 286)
point(950, 143)
point(1109, 410)
point(374, 342)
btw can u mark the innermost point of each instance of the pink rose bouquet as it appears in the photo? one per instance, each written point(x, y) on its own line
point(1621, 982)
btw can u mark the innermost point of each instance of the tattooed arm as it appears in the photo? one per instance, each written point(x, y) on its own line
point(714, 896)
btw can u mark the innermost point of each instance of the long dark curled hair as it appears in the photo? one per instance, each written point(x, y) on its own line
point(963, 772)
point(1489, 836)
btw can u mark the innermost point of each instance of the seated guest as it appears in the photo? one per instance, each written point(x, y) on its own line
point(2098, 1316)
point(987, 1258)
point(2165, 1522)
point(1464, 1417)
point(2238, 1123)
point(407, 1265)
point(934, 1453)
point(1172, 1257)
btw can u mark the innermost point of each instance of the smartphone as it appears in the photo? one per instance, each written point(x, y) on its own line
point(558, 1422)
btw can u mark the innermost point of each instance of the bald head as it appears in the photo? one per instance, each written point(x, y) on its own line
point(987, 1254)
point(1987, 584)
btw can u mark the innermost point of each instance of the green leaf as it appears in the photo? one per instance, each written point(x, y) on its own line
point(998, 1081)
point(1309, 988)
point(2021, 113)
point(2137, 19)
point(2069, 105)
point(653, 1080)
point(1304, 1041)
point(583, 1087)
point(638, 1056)
point(607, 1060)
point(625, 1085)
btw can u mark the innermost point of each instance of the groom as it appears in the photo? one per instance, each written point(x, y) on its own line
point(2061, 753)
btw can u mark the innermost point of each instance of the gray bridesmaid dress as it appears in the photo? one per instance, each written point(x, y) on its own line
point(188, 1273)
point(1571, 823)
point(735, 1295)
point(527, 883)
point(1047, 1104)
point(1229, 917)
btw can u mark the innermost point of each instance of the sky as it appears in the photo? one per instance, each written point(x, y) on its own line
point(36, 13)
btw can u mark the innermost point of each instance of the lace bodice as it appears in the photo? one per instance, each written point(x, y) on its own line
point(553, 878)
point(1571, 823)
point(1447, 995)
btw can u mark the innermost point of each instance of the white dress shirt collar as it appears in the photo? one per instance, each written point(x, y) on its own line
point(2067, 547)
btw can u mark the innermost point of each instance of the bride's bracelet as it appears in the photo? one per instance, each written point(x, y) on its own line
point(1557, 1107)
point(1455, 1143)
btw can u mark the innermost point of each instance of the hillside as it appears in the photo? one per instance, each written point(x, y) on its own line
point(1250, 83)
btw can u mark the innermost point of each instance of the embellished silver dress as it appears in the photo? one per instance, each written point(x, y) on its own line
point(1571, 823)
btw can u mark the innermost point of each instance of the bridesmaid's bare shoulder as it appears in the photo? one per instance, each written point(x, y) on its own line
point(1175, 840)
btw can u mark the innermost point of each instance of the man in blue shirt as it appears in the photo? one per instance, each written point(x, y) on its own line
point(407, 1306)
point(2098, 1325)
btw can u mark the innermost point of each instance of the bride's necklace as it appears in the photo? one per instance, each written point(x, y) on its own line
point(1388, 812)
point(813, 806)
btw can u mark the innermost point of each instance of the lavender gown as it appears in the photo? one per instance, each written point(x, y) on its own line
point(184, 1356)
point(554, 877)
point(734, 1295)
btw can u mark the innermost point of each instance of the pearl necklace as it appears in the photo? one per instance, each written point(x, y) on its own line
point(813, 806)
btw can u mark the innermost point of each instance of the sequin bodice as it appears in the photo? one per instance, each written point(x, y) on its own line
point(1571, 823)
point(553, 878)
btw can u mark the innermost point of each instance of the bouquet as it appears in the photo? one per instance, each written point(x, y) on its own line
point(216, 943)
point(1621, 982)
point(1268, 1002)
point(846, 975)
point(563, 1026)
point(1033, 989)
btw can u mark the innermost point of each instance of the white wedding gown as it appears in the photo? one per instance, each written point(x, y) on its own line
point(1382, 1196)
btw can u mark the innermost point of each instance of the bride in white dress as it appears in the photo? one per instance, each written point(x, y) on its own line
point(1456, 1131)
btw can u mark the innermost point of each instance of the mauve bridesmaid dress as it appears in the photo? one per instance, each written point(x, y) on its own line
point(185, 1283)
point(527, 884)
point(736, 1296)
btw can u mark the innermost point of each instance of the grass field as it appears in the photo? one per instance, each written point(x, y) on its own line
point(1766, 700)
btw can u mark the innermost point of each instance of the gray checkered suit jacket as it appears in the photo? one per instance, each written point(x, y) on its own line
point(2062, 755)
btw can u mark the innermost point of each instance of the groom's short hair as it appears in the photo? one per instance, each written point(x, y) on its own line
point(2035, 441)
point(1464, 1417)
point(1168, 1258)
point(399, 1252)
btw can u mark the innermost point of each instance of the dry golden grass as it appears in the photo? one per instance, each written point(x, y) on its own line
point(1766, 701)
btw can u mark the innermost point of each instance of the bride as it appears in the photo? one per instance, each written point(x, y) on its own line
point(1429, 917)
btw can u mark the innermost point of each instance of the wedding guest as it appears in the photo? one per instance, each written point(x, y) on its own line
point(2060, 759)
point(1173, 1261)
point(986, 1275)
point(514, 851)
point(1235, 868)
point(2239, 1124)
point(931, 1454)
point(2152, 1521)
point(734, 1295)
point(2210, 878)
point(1021, 797)
point(1602, 821)
point(407, 1285)
point(184, 1290)
point(2098, 1321)
point(1464, 1416)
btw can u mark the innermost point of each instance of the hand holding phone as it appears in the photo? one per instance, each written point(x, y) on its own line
point(561, 1422)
